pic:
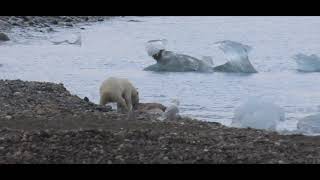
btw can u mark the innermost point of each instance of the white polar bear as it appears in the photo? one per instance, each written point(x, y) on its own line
point(119, 91)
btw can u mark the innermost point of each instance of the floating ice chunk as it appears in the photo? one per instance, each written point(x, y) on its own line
point(154, 46)
point(172, 111)
point(307, 63)
point(173, 62)
point(69, 39)
point(235, 51)
point(237, 55)
point(309, 124)
point(258, 114)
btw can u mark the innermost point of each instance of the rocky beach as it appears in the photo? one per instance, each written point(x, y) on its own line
point(42, 122)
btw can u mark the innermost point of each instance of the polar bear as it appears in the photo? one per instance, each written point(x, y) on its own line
point(120, 91)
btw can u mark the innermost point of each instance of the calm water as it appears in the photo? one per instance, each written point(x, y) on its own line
point(117, 48)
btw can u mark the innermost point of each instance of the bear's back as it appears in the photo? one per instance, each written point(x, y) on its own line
point(114, 84)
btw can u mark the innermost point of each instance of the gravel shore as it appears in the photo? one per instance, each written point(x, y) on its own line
point(43, 123)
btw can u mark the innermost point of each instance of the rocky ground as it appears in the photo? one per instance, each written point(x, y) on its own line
point(44, 123)
point(42, 23)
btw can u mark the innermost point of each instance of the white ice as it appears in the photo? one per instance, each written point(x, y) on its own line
point(234, 51)
point(307, 63)
point(154, 46)
point(237, 56)
point(73, 39)
point(208, 60)
point(259, 114)
point(172, 111)
point(309, 125)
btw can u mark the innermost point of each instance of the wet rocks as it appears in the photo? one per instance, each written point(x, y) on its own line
point(4, 25)
point(152, 108)
point(4, 37)
point(55, 22)
point(86, 99)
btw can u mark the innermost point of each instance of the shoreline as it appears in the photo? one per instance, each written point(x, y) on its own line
point(42, 122)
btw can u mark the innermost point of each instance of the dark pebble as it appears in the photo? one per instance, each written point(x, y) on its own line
point(55, 22)
point(69, 24)
point(4, 37)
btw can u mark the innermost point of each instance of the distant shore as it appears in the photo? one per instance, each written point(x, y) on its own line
point(45, 23)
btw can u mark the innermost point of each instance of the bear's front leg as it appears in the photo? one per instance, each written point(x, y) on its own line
point(127, 97)
point(104, 99)
point(121, 105)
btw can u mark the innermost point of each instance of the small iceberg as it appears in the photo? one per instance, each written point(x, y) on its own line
point(171, 112)
point(169, 61)
point(307, 63)
point(258, 114)
point(309, 124)
point(237, 56)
